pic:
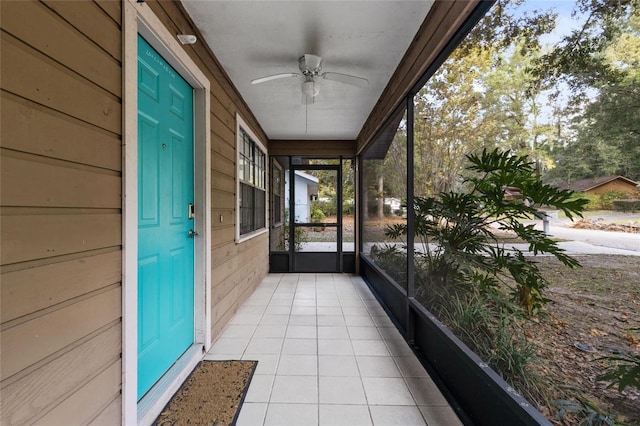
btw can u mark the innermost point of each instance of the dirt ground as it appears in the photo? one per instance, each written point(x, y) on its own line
point(594, 312)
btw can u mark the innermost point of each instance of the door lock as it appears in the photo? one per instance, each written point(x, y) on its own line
point(191, 212)
point(192, 233)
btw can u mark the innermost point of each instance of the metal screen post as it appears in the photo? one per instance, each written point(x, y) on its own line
point(357, 219)
point(339, 215)
point(410, 223)
point(292, 210)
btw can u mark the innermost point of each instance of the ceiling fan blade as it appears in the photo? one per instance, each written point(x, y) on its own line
point(346, 79)
point(274, 77)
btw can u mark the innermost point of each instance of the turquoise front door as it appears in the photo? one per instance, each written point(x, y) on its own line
point(165, 192)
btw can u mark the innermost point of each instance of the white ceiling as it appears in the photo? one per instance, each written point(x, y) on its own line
point(253, 39)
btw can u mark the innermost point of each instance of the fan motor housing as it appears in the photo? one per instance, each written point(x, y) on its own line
point(310, 65)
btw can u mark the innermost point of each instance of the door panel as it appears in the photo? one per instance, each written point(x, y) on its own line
point(148, 169)
point(318, 231)
point(165, 189)
point(317, 234)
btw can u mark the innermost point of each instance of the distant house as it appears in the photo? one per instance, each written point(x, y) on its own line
point(394, 204)
point(512, 193)
point(306, 190)
point(604, 184)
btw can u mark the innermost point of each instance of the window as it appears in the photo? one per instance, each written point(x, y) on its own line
point(252, 185)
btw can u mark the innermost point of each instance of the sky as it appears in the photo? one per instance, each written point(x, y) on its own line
point(565, 22)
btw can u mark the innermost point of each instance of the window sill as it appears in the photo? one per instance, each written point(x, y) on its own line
point(245, 237)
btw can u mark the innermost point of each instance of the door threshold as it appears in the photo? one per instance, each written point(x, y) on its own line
point(151, 405)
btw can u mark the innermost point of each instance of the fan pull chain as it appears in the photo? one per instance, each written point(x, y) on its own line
point(306, 118)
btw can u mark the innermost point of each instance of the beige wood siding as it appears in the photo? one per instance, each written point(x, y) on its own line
point(61, 207)
point(61, 202)
point(615, 186)
point(236, 268)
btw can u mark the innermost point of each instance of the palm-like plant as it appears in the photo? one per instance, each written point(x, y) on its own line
point(458, 230)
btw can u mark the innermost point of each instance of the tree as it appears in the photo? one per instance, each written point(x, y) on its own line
point(449, 122)
point(580, 59)
point(483, 96)
point(604, 75)
point(328, 186)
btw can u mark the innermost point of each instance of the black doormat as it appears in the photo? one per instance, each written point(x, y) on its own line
point(212, 395)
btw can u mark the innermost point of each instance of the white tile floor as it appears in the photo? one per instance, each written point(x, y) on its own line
point(327, 355)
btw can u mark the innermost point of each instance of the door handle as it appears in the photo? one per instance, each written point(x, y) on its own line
point(192, 233)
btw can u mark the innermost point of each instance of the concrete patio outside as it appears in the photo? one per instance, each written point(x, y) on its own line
point(327, 354)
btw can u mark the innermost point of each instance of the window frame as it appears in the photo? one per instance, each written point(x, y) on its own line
point(277, 192)
point(254, 176)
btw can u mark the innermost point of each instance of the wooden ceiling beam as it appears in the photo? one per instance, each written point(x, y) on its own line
point(313, 148)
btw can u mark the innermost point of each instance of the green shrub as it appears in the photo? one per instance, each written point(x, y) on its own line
point(348, 208)
point(372, 208)
point(607, 198)
point(594, 201)
point(328, 208)
point(626, 205)
point(300, 236)
point(460, 227)
point(481, 289)
point(317, 214)
point(393, 260)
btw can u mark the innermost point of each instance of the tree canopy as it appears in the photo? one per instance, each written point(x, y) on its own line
point(572, 105)
point(604, 75)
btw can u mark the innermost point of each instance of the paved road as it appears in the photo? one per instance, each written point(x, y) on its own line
point(581, 239)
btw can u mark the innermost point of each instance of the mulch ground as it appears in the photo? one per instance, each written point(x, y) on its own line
point(212, 395)
point(594, 313)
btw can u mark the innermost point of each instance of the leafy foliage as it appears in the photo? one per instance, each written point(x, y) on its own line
point(626, 205)
point(590, 415)
point(598, 62)
point(578, 58)
point(462, 227)
point(480, 288)
point(624, 372)
point(300, 237)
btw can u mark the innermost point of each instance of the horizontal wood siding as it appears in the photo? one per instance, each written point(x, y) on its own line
point(236, 268)
point(60, 174)
point(57, 136)
point(614, 186)
point(42, 286)
point(31, 396)
point(61, 208)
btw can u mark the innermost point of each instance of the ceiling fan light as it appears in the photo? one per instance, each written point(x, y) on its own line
point(309, 89)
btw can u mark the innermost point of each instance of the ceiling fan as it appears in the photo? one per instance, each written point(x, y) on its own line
point(310, 68)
